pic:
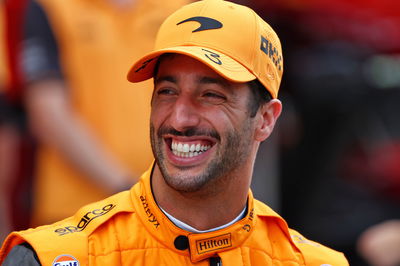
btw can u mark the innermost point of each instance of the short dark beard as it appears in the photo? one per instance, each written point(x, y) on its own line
point(230, 157)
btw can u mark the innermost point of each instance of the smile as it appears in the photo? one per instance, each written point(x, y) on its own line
point(186, 150)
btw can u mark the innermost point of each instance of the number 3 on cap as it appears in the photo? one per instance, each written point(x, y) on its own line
point(214, 57)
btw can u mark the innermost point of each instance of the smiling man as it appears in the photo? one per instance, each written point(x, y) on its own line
point(217, 67)
point(205, 140)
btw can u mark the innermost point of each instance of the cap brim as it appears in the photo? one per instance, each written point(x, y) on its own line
point(224, 65)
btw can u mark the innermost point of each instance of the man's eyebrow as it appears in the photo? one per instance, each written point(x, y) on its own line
point(211, 80)
point(165, 78)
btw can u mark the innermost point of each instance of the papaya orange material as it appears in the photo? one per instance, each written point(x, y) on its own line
point(129, 229)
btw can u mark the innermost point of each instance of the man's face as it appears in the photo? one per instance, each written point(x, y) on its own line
point(200, 127)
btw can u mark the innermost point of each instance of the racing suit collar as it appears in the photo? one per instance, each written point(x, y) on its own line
point(196, 246)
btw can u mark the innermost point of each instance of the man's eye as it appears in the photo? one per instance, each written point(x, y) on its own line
point(214, 95)
point(165, 92)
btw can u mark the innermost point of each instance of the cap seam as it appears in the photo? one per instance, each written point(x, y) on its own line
point(255, 49)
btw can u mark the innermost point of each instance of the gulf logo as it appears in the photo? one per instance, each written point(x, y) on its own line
point(65, 260)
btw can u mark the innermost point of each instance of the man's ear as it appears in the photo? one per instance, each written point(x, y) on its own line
point(267, 116)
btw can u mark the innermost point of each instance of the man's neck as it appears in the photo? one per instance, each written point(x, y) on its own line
point(189, 228)
point(203, 209)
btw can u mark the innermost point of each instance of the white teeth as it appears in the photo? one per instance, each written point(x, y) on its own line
point(186, 150)
point(192, 148)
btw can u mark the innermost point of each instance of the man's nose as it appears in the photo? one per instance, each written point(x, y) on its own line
point(185, 114)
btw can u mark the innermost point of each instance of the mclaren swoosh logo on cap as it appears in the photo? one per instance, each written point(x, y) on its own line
point(205, 23)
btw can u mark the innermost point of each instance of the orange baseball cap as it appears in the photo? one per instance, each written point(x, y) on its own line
point(230, 38)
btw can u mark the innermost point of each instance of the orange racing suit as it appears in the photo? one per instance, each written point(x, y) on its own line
point(130, 229)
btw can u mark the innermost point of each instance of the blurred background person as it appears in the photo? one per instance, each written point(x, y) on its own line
point(91, 139)
point(380, 244)
point(16, 145)
point(6, 138)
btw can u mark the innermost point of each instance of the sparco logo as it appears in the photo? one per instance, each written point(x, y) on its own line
point(151, 218)
point(85, 220)
point(214, 243)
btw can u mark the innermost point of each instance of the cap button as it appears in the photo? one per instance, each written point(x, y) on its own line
point(181, 242)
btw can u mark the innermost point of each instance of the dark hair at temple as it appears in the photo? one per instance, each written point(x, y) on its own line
point(260, 96)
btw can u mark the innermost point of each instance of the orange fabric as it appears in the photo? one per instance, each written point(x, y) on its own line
point(129, 229)
point(97, 43)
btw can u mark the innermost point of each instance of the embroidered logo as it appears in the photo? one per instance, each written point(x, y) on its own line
point(272, 52)
point(205, 23)
point(84, 221)
point(213, 243)
point(302, 240)
point(150, 216)
point(65, 260)
point(214, 57)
